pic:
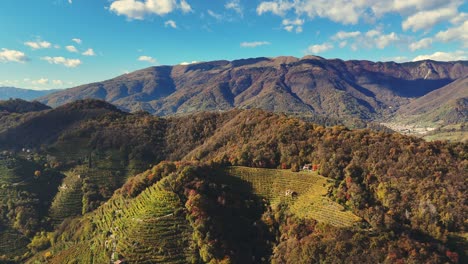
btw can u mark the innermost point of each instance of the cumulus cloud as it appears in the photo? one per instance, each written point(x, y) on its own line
point(319, 48)
point(71, 48)
point(89, 52)
point(77, 40)
point(460, 18)
point(427, 19)
point(69, 63)
point(57, 82)
point(147, 59)
point(457, 33)
point(373, 38)
point(444, 56)
point(235, 6)
point(187, 63)
point(170, 23)
point(275, 7)
point(384, 40)
point(418, 14)
point(185, 7)
point(38, 44)
point(345, 35)
point(293, 25)
point(421, 44)
point(254, 44)
point(41, 81)
point(7, 55)
point(138, 9)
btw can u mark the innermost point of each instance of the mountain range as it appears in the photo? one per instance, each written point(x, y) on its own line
point(333, 88)
point(25, 94)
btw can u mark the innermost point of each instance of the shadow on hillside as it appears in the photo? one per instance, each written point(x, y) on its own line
point(247, 236)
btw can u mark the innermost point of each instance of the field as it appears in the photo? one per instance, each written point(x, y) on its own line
point(304, 192)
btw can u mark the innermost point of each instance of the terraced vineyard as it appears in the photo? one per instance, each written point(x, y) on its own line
point(303, 191)
point(150, 228)
point(12, 243)
point(68, 201)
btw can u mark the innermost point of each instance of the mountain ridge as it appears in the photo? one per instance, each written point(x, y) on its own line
point(23, 93)
point(340, 89)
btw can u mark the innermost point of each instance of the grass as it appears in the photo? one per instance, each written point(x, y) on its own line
point(310, 188)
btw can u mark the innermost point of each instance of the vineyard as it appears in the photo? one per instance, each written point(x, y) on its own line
point(150, 228)
point(305, 192)
point(12, 243)
point(68, 201)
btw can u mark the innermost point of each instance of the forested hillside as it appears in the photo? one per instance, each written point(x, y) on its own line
point(146, 189)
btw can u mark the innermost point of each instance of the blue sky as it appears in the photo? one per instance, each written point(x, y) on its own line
point(48, 44)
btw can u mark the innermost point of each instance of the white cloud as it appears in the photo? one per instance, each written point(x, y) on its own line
point(185, 7)
point(215, 15)
point(343, 44)
point(444, 56)
point(138, 9)
point(69, 63)
point(41, 81)
point(236, 6)
point(147, 59)
point(417, 14)
point(57, 82)
point(254, 44)
point(460, 18)
point(293, 24)
point(71, 48)
point(373, 33)
point(7, 55)
point(38, 44)
point(89, 52)
point(70, 1)
point(77, 40)
point(458, 33)
point(345, 35)
point(275, 7)
point(170, 23)
point(342, 11)
point(188, 63)
point(384, 40)
point(397, 59)
point(427, 19)
point(319, 48)
point(421, 44)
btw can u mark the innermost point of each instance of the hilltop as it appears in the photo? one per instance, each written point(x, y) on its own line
point(21, 106)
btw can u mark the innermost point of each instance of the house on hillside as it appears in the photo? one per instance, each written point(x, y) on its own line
point(310, 167)
point(290, 193)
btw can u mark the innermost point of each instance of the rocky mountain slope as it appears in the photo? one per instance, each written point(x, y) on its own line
point(448, 104)
point(333, 88)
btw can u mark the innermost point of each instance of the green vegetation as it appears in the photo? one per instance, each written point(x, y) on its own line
point(87, 190)
point(304, 192)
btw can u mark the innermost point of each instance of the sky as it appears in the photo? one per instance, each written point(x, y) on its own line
point(50, 44)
